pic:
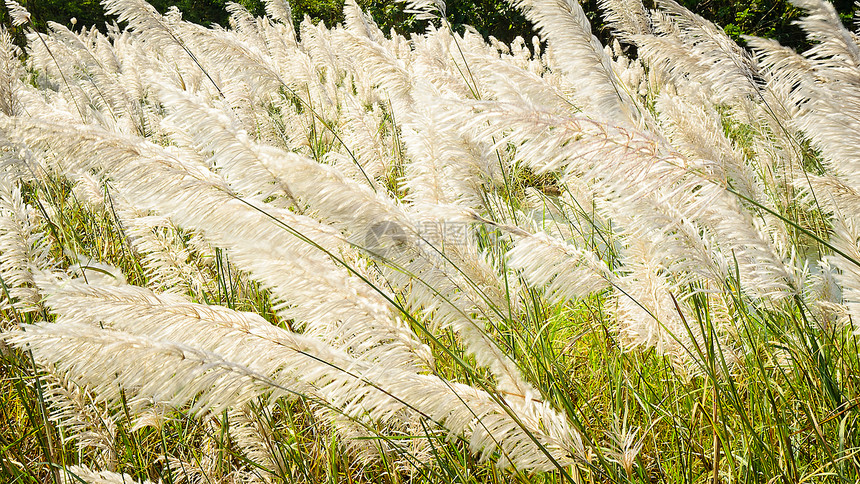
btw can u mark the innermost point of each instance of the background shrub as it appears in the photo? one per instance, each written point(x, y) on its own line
point(762, 18)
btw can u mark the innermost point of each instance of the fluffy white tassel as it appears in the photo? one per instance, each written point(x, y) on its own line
point(77, 474)
point(563, 23)
point(24, 249)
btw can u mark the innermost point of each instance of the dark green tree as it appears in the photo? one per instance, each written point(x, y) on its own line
point(762, 18)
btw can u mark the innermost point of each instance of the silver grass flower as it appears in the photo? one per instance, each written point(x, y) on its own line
point(76, 474)
point(24, 250)
point(20, 15)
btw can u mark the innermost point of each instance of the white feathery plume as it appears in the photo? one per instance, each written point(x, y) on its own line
point(470, 323)
point(627, 167)
point(381, 67)
point(841, 202)
point(329, 66)
point(429, 275)
point(690, 47)
point(696, 201)
point(280, 36)
point(175, 373)
point(566, 272)
point(530, 60)
point(20, 15)
point(363, 24)
point(627, 18)
point(201, 349)
point(142, 17)
point(250, 61)
point(368, 137)
point(154, 416)
point(279, 248)
point(449, 165)
point(280, 10)
point(426, 179)
point(202, 468)
point(671, 63)
point(283, 158)
point(646, 310)
point(24, 249)
point(369, 216)
point(837, 198)
point(440, 60)
point(88, 192)
point(824, 294)
point(785, 109)
point(251, 432)
point(834, 42)
point(782, 64)
point(168, 36)
point(11, 70)
point(697, 227)
point(76, 50)
point(564, 25)
point(74, 408)
point(80, 473)
point(102, 79)
point(446, 166)
point(166, 259)
point(372, 219)
point(508, 82)
point(19, 164)
point(215, 133)
point(361, 438)
point(243, 23)
point(291, 170)
point(425, 9)
point(54, 58)
point(828, 119)
point(847, 260)
point(712, 43)
point(821, 88)
point(693, 127)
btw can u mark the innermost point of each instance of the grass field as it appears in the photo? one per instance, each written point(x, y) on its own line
point(341, 255)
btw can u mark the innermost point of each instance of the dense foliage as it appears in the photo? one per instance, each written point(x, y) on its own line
point(763, 18)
